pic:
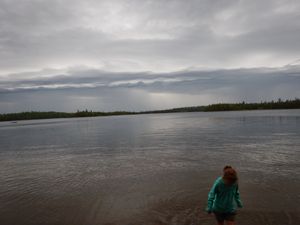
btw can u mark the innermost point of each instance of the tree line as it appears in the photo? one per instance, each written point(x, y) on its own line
point(279, 104)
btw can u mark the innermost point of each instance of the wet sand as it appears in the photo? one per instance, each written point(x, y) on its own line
point(159, 199)
point(180, 198)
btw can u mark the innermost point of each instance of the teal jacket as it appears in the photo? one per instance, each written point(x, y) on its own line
point(223, 198)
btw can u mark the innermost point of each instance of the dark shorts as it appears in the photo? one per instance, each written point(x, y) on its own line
point(221, 216)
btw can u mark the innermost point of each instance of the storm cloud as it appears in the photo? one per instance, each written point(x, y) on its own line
point(66, 55)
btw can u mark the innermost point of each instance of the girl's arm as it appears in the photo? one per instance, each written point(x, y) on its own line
point(237, 198)
point(211, 197)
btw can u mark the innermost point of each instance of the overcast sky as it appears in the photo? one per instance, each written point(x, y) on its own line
point(65, 55)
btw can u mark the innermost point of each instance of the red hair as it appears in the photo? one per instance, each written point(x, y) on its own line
point(230, 175)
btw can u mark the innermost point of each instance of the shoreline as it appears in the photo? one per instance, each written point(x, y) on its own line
point(220, 107)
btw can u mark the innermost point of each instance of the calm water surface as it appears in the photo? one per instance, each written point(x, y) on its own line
point(148, 169)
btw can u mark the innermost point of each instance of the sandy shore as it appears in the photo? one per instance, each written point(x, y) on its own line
point(168, 198)
point(180, 198)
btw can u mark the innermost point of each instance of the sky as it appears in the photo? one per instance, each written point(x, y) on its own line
point(68, 55)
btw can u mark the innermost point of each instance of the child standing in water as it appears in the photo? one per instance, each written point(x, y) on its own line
point(224, 197)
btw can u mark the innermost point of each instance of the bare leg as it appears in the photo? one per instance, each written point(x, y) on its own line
point(229, 222)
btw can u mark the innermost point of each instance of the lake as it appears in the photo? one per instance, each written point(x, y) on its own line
point(150, 169)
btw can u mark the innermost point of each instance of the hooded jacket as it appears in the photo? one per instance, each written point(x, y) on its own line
point(223, 198)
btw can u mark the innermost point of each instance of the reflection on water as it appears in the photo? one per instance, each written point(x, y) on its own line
point(148, 169)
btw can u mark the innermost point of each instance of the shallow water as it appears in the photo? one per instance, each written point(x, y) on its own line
point(149, 169)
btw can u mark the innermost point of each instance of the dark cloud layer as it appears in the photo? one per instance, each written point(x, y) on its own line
point(68, 54)
point(101, 90)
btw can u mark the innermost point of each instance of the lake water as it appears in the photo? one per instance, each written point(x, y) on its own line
point(149, 169)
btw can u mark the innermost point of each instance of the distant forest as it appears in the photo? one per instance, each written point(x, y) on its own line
point(279, 104)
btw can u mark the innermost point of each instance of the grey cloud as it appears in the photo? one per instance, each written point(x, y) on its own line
point(147, 35)
point(100, 90)
point(98, 51)
point(92, 78)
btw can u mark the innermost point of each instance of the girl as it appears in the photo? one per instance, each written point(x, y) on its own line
point(224, 197)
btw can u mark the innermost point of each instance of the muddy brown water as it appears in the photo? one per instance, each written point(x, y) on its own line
point(149, 169)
